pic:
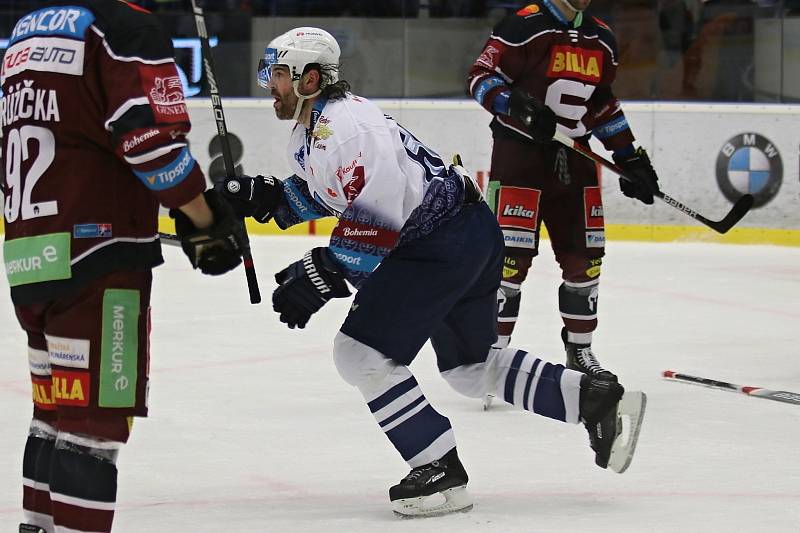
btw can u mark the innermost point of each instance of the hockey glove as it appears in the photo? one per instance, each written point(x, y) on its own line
point(306, 285)
point(539, 119)
point(216, 249)
point(252, 197)
point(643, 180)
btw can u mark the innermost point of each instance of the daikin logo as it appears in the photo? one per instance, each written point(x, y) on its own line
point(749, 164)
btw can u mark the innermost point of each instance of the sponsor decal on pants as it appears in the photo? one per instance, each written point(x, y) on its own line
point(42, 388)
point(71, 388)
point(119, 348)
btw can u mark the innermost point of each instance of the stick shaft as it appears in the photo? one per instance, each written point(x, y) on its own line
point(738, 210)
point(222, 131)
point(768, 394)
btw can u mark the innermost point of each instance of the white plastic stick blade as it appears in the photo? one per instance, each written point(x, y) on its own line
point(631, 412)
point(455, 500)
point(487, 402)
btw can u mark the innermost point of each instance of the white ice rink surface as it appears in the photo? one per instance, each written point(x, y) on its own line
point(251, 428)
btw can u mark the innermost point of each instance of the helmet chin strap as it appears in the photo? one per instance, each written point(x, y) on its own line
point(301, 98)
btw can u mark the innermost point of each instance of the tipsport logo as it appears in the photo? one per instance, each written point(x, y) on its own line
point(749, 163)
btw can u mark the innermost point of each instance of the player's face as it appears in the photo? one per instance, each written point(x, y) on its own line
point(281, 88)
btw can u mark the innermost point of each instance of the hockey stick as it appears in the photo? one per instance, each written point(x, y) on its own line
point(739, 209)
point(169, 238)
point(222, 131)
point(777, 395)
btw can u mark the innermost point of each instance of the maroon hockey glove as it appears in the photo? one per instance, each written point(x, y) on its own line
point(217, 249)
point(306, 285)
point(538, 119)
point(643, 180)
point(255, 197)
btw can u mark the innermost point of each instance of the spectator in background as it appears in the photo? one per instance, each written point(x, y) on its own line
point(678, 22)
point(719, 61)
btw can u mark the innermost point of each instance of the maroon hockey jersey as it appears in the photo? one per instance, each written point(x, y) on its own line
point(94, 128)
point(569, 66)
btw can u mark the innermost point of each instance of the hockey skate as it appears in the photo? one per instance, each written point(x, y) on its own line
point(581, 358)
point(613, 419)
point(433, 489)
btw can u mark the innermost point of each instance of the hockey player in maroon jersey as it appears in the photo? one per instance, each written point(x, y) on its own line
point(94, 138)
point(551, 65)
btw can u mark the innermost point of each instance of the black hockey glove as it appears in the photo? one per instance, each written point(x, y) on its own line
point(217, 249)
point(306, 285)
point(643, 180)
point(539, 119)
point(252, 197)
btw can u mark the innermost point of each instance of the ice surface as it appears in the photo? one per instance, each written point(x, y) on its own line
point(251, 428)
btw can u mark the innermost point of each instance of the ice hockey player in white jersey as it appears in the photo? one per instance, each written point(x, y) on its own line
point(425, 253)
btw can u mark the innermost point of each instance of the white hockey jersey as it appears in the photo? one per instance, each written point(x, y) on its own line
point(383, 184)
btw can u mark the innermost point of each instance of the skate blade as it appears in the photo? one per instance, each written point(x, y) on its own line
point(631, 410)
point(487, 401)
point(456, 500)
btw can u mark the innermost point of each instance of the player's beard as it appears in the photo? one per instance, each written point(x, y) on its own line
point(285, 104)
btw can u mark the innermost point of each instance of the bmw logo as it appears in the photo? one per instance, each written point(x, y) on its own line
point(749, 163)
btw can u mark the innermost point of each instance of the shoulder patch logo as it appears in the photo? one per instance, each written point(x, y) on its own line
point(164, 90)
point(488, 58)
point(531, 9)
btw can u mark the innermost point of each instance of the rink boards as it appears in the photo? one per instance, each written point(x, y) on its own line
point(705, 155)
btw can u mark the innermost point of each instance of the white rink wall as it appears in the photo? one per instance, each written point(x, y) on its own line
point(689, 144)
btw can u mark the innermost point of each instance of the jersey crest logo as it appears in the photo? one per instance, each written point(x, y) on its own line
point(322, 132)
point(571, 62)
point(167, 91)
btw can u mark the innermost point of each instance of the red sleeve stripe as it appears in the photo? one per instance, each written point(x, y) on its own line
point(601, 23)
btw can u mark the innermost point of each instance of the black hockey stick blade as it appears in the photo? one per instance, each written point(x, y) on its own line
point(739, 209)
point(767, 394)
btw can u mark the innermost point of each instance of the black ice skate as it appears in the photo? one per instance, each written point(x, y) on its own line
point(581, 358)
point(433, 489)
point(613, 419)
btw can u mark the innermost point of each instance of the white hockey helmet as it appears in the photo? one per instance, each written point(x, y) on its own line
point(298, 48)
